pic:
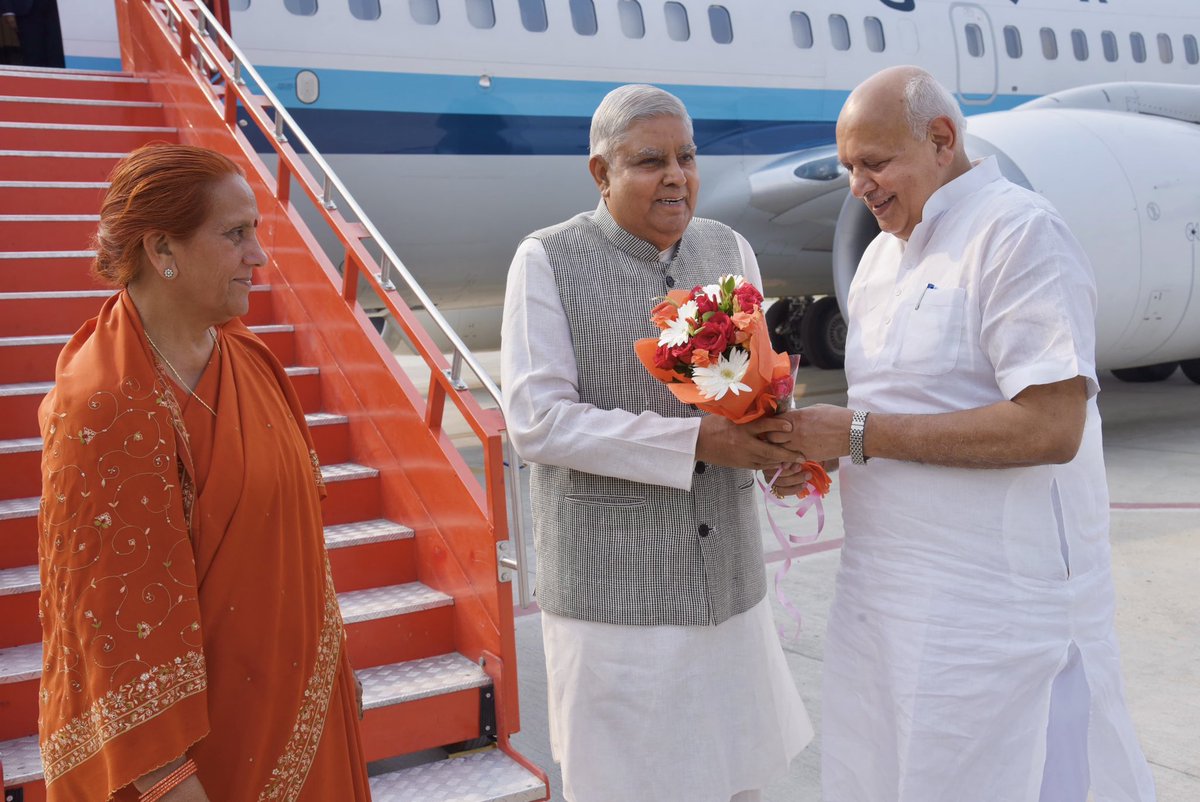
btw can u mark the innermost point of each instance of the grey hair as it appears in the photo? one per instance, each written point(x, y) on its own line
point(925, 100)
point(625, 106)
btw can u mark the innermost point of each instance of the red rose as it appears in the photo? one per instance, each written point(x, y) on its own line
point(704, 305)
point(748, 297)
point(683, 353)
point(714, 336)
point(782, 387)
point(663, 360)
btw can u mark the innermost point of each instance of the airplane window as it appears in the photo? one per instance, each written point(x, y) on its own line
point(583, 17)
point(720, 24)
point(365, 9)
point(481, 13)
point(239, 5)
point(305, 8)
point(874, 30)
point(1049, 44)
point(533, 15)
point(802, 30)
point(974, 40)
point(1137, 44)
point(1190, 49)
point(633, 24)
point(1079, 44)
point(424, 12)
point(839, 31)
point(1165, 51)
point(677, 22)
point(1109, 41)
point(1012, 41)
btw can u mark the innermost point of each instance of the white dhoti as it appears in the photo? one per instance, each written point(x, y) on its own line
point(671, 713)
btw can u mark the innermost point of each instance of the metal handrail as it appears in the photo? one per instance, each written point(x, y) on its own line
point(445, 381)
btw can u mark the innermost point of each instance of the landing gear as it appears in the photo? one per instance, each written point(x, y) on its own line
point(812, 328)
point(1147, 373)
point(823, 333)
point(1191, 369)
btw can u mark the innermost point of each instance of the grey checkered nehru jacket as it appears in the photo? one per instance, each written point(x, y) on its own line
point(617, 551)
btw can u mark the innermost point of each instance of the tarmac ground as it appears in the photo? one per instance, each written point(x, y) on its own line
point(1152, 452)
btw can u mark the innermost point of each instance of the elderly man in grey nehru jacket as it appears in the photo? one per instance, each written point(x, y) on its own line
point(666, 678)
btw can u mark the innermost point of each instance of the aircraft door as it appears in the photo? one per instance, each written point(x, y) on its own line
point(975, 54)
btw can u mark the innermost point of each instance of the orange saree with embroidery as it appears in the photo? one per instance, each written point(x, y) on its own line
point(186, 603)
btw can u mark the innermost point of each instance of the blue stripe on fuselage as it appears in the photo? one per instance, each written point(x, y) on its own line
point(362, 112)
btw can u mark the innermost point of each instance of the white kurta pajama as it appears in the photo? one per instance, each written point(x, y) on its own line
point(961, 592)
point(653, 713)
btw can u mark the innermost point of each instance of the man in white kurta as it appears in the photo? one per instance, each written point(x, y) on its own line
point(970, 655)
point(662, 712)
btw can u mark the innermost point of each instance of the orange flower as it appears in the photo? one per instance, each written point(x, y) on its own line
point(664, 313)
point(742, 320)
point(702, 358)
point(820, 479)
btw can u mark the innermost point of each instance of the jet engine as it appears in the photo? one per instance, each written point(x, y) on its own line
point(1117, 161)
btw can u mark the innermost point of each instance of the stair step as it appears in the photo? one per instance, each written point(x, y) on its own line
point(54, 165)
point(20, 663)
point(28, 83)
point(31, 271)
point(17, 135)
point(22, 761)
point(330, 435)
point(395, 623)
point(34, 232)
point(18, 532)
point(32, 359)
point(342, 536)
point(307, 381)
point(46, 313)
point(398, 683)
point(73, 110)
point(490, 776)
point(50, 197)
point(385, 602)
point(20, 467)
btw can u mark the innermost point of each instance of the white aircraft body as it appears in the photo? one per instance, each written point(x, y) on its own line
point(461, 125)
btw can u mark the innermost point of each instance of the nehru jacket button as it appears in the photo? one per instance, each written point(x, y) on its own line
point(700, 466)
point(670, 281)
point(703, 530)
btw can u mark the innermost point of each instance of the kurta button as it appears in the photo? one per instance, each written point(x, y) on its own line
point(670, 281)
point(703, 530)
point(700, 466)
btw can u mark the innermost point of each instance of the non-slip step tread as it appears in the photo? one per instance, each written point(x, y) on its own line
point(41, 388)
point(346, 471)
point(22, 760)
point(82, 101)
point(490, 776)
point(62, 154)
point(340, 536)
point(20, 663)
point(19, 507)
point(22, 445)
point(61, 339)
point(398, 683)
point(95, 127)
point(103, 292)
point(23, 579)
point(47, 254)
point(391, 600)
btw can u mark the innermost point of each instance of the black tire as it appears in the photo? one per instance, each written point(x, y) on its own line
point(1191, 369)
point(823, 332)
point(1146, 373)
point(778, 316)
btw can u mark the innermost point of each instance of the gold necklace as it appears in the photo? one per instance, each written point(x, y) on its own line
point(183, 383)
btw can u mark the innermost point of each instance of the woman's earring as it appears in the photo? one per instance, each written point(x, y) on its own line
point(169, 273)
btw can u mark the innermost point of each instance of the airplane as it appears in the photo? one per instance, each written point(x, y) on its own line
point(461, 125)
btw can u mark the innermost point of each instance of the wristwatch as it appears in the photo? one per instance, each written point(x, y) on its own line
point(858, 427)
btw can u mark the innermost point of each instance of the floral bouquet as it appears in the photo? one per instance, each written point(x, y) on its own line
point(715, 351)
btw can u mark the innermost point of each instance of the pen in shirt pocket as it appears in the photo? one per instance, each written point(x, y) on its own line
point(928, 287)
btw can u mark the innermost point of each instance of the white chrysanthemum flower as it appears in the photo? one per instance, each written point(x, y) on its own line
point(713, 291)
point(679, 330)
point(676, 334)
point(723, 377)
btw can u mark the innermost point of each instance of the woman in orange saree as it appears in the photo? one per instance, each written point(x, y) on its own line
point(189, 616)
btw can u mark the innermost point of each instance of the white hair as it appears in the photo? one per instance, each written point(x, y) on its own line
point(925, 100)
point(625, 106)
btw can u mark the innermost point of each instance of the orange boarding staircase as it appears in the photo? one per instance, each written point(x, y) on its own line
point(415, 540)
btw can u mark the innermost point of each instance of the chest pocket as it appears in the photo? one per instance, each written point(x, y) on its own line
point(932, 336)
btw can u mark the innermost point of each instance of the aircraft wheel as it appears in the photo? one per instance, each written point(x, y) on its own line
point(823, 332)
point(1146, 373)
point(1191, 369)
point(779, 317)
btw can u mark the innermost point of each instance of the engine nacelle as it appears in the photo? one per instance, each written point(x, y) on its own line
point(1128, 185)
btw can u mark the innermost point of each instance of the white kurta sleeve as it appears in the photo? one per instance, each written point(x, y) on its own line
point(1038, 307)
point(546, 421)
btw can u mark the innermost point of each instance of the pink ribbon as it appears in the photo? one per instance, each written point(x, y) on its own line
point(786, 541)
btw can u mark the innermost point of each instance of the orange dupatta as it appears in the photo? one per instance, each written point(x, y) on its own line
point(184, 599)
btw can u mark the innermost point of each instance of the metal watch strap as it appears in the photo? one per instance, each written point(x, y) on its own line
point(858, 427)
